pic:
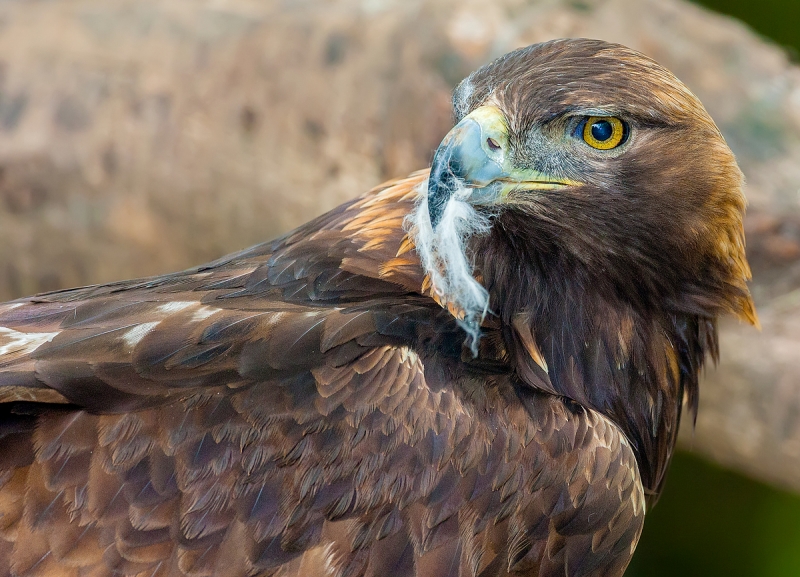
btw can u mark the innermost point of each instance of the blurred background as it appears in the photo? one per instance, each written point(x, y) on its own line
point(139, 137)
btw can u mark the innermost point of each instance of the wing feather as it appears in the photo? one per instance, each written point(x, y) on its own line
point(299, 408)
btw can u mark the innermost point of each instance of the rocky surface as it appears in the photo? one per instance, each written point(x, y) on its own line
point(141, 136)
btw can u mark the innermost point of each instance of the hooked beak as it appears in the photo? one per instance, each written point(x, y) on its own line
point(473, 162)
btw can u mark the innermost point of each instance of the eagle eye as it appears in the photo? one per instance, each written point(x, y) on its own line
point(603, 132)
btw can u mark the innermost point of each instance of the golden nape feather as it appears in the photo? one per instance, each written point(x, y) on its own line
point(333, 403)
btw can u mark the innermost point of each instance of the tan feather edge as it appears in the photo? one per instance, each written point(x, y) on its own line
point(526, 336)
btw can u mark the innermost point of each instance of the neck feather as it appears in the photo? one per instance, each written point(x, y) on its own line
point(629, 360)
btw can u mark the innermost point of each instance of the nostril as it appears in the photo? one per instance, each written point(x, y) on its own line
point(492, 144)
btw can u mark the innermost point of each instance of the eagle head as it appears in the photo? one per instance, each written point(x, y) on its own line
point(586, 198)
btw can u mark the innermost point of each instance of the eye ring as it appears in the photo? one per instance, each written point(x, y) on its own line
point(604, 132)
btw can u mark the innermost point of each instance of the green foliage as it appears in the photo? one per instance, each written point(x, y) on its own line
point(776, 19)
point(712, 522)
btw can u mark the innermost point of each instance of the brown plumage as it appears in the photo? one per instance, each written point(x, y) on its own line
point(312, 406)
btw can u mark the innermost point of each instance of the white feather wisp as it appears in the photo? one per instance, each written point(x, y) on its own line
point(444, 258)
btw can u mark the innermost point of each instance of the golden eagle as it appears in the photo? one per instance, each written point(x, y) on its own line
point(473, 371)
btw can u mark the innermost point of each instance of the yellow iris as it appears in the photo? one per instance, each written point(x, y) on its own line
point(603, 132)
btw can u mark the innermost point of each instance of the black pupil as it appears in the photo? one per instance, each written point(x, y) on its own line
point(602, 130)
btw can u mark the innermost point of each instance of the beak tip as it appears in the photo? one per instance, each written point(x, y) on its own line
point(435, 205)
